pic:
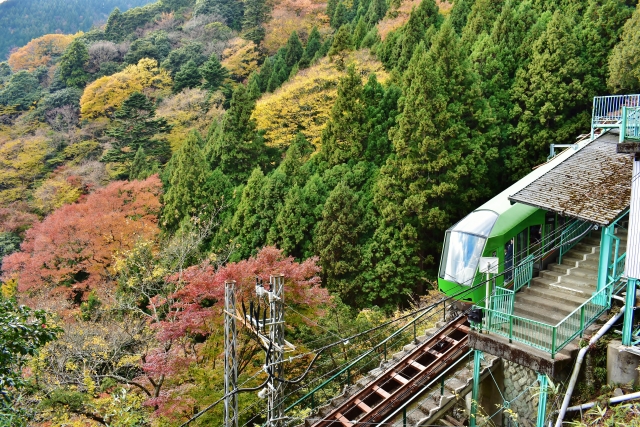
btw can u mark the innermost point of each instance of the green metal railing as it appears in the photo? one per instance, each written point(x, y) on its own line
point(503, 299)
point(550, 338)
point(553, 338)
point(568, 238)
point(318, 395)
point(630, 126)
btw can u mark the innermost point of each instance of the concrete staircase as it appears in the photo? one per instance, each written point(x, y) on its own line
point(432, 405)
point(564, 287)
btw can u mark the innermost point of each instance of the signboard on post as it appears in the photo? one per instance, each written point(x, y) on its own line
point(489, 264)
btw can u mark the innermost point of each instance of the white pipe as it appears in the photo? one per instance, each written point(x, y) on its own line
point(576, 369)
point(617, 399)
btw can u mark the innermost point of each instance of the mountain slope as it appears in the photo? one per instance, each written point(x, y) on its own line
point(23, 20)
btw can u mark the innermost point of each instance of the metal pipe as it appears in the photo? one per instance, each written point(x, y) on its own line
point(576, 369)
point(617, 399)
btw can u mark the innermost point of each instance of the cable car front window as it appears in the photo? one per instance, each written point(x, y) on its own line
point(478, 222)
point(461, 257)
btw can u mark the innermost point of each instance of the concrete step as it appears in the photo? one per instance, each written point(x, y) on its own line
point(544, 315)
point(581, 291)
point(586, 247)
point(589, 264)
point(577, 280)
point(546, 303)
point(577, 253)
point(591, 275)
point(415, 415)
point(551, 275)
point(455, 385)
point(556, 294)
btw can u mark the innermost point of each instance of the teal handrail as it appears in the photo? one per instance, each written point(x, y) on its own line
point(347, 368)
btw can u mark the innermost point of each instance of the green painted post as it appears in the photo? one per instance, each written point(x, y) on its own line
point(630, 302)
point(313, 403)
point(404, 416)
point(477, 356)
point(605, 254)
point(553, 342)
point(581, 320)
point(442, 387)
point(415, 338)
point(542, 402)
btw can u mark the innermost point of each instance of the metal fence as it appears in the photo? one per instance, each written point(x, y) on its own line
point(630, 124)
point(607, 110)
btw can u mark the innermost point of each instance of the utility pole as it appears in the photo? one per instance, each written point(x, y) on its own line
point(230, 356)
point(276, 357)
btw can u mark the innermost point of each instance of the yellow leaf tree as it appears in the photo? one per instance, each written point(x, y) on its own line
point(105, 95)
point(303, 104)
point(22, 161)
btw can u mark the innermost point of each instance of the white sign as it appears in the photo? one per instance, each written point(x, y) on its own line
point(489, 264)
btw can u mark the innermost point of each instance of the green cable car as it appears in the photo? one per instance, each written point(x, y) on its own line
point(498, 228)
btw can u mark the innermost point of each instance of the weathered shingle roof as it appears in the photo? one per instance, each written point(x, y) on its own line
point(594, 184)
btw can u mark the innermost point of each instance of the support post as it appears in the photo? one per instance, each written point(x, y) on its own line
point(276, 358)
point(630, 302)
point(605, 255)
point(230, 359)
point(477, 357)
point(632, 266)
point(542, 401)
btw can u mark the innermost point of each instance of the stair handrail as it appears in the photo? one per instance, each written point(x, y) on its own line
point(381, 344)
point(576, 322)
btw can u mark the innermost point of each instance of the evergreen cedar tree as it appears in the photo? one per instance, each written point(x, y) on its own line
point(135, 126)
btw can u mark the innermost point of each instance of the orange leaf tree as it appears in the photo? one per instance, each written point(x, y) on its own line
point(40, 51)
point(71, 251)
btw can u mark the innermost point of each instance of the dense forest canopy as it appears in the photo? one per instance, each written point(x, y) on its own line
point(23, 20)
point(188, 142)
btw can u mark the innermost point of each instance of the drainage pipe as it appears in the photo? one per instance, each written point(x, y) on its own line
point(576, 369)
point(617, 399)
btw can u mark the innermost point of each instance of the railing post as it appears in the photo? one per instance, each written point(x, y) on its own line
point(553, 342)
point(313, 403)
point(581, 320)
point(510, 328)
point(623, 125)
point(404, 416)
point(477, 356)
point(542, 401)
point(629, 304)
point(415, 337)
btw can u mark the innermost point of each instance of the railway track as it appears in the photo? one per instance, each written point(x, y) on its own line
point(407, 377)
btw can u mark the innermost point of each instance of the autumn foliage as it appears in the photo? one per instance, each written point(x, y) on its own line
point(198, 311)
point(40, 51)
point(72, 249)
point(106, 94)
point(288, 16)
point(303, 104)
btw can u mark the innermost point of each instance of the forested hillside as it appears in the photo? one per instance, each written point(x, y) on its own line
point(23, 20)
point(189, 142)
